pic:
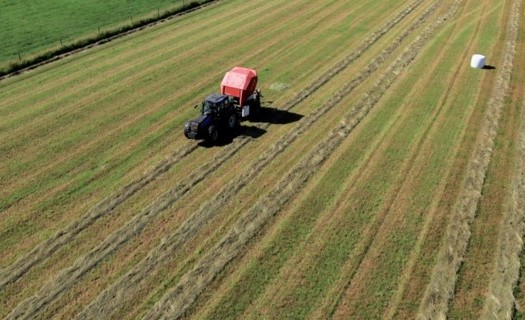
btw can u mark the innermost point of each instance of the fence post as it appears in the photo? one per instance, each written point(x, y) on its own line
point(61, 42)
point(19, 57)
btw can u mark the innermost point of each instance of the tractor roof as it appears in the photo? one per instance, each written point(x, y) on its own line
point(216, 98)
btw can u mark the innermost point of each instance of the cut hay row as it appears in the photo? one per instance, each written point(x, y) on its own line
point(47, 130)
point(59, 285)
point(64, 236)
point(477, 265)
point(306, 276)
point(343, 227)
point(74, 226)
point(441, 287)
point(51, 295)
point(367, 285)
point(420, 273)
point(191, 226)
point(433, 216)
point(178, 300)
point(501, 301)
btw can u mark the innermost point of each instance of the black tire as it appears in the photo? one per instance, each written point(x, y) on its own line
point(213, 134)
point(233, 122)
point(187, 133)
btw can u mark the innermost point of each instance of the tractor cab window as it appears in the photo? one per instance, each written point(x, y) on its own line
point(208, 107)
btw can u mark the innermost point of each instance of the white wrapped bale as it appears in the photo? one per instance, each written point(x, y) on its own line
point(477, 61)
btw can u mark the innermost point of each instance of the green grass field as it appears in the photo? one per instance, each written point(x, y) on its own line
point(31, 27)
point(385, 182)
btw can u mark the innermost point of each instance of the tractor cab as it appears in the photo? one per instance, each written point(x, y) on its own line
point(217, 113)
point(215, 103)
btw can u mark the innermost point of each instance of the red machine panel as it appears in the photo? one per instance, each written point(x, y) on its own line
point(239, 82)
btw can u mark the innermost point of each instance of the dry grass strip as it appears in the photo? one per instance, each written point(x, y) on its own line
point(501, 301)
point(64, 236)
point(176, 302)
point(441, 287)
point(45, 249)
point(67, 277)
point(108, 300)
point(49, 292)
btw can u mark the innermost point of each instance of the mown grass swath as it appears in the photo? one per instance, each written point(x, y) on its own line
point(440, 289)
point(216, 162)
point(332, 205)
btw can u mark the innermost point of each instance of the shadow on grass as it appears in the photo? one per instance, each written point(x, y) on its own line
point(265, 115)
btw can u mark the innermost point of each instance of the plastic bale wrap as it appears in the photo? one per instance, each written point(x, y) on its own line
point(477, 61)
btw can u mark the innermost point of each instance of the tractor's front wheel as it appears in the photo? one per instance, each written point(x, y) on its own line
point(213, 134)
point(187, 132)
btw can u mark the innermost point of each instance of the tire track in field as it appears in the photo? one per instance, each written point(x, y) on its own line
point(176, 302)
point(103, 304)
point(57, 286)
point(500, 302)
point(444, 276)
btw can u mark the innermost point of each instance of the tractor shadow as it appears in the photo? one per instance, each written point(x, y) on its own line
point(266, 115)
point(227, 137)
point(276, 116)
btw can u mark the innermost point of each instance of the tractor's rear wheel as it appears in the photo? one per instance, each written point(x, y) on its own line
point(233, 122)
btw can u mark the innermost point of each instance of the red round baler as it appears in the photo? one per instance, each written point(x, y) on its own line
point(239, 83)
